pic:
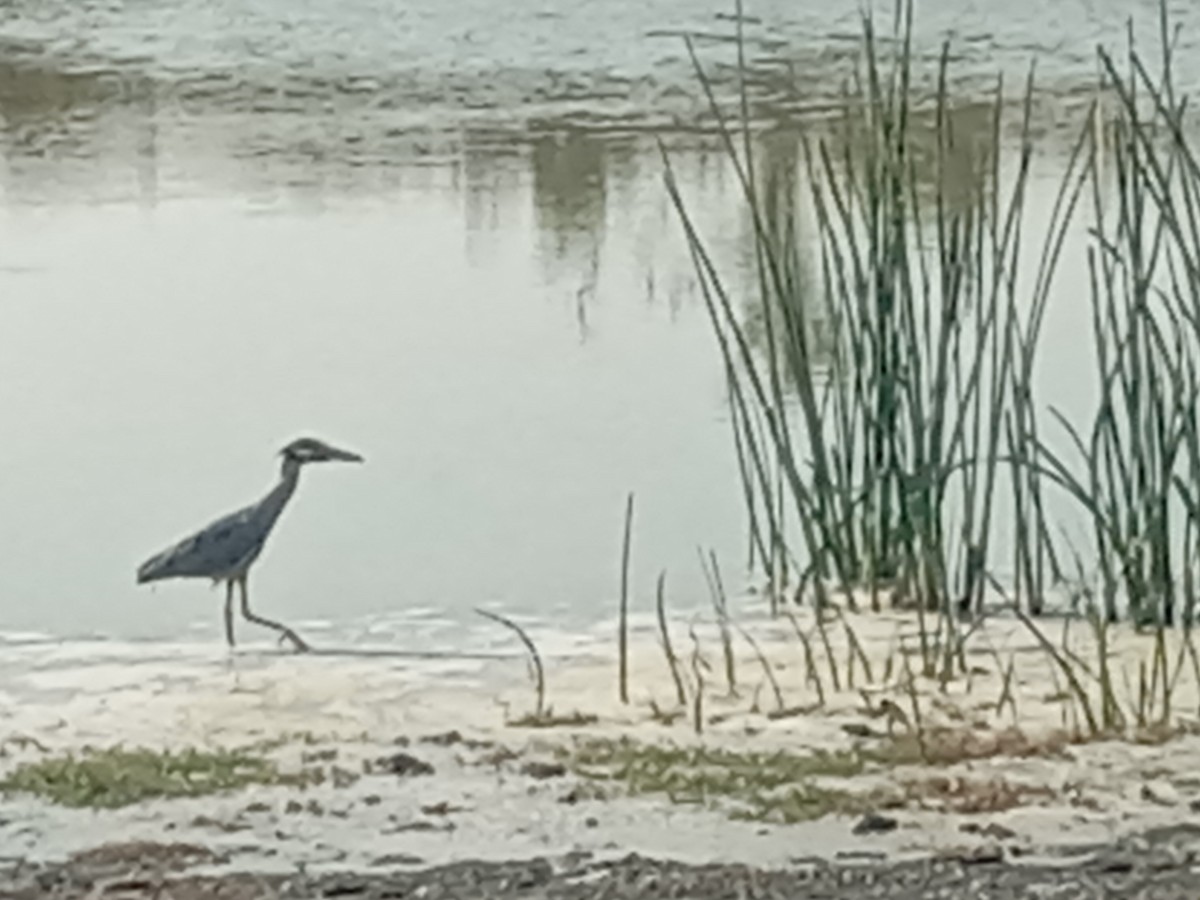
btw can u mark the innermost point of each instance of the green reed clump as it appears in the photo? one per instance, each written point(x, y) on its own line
point(1136, 464)
point(881, 371)
point(871, 399)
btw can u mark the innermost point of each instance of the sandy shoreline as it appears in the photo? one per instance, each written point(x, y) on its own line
point(499, 792)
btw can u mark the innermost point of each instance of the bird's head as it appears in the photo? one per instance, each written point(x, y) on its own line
point(311, 450)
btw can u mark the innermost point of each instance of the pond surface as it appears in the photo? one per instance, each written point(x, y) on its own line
point(433, 233)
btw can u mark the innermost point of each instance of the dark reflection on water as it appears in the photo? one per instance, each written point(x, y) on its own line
point(271, 89)
point(99, 127)
point(105, 134)
point(432, 65)
point(570, 193)
point(948, 171)
point(782, 195)
point(146, 145)
point(490, 182)
point(570, 190)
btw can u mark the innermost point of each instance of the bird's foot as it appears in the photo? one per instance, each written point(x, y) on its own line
point(297, 642)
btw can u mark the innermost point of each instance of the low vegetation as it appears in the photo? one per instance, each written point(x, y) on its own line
point(115, 777)
point(783, 787)
point(787, 787)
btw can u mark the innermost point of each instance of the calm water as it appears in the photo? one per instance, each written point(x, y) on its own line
point(434, 233)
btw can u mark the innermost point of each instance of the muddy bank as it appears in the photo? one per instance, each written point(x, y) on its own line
point(1160, 864)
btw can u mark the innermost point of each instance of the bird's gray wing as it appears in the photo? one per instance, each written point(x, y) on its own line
point(220, 549)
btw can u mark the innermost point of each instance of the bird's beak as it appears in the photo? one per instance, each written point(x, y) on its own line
point(334, 454)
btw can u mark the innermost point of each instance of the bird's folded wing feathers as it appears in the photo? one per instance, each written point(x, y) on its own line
point(216, 550)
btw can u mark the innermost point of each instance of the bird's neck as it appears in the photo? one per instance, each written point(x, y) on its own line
point(273, 504)
point(289, 470)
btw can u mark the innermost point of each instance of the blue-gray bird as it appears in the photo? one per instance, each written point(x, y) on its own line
point(225, 550)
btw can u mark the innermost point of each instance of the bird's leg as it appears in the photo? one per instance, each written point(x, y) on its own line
point(229, 612)
point(283, 630)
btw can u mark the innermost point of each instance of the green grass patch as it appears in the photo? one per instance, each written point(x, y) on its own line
point(550, 719)
point(788, 787)
point(117, 776)
point(780, 786)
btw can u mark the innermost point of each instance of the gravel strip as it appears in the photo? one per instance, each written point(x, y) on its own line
point(1157, 869)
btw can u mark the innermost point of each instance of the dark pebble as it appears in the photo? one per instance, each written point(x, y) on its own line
point(542, 770)
point(404, 764)
point(445, 739)
point(345, 888)
point(873, 823)
point(441, 808)
point(982, 856)
point(397, 859)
